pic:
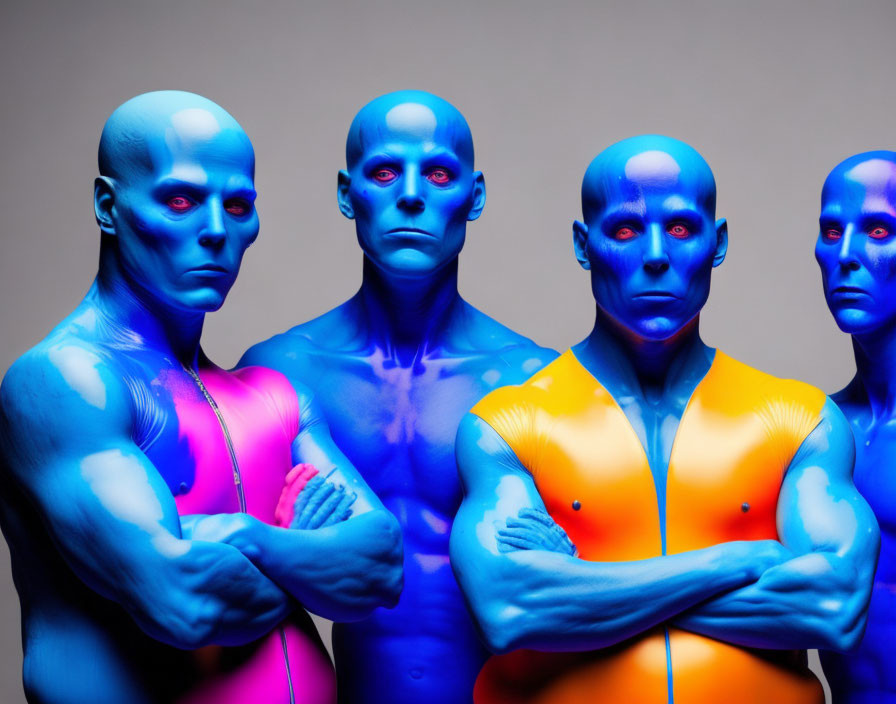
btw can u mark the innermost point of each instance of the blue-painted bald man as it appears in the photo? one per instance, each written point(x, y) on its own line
point(395, 368)
point(141, 481)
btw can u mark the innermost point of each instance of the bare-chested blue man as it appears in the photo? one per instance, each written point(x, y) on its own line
point(394, 369)
point(116, 426)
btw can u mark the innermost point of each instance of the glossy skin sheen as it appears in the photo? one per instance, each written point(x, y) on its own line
point(146, 571)
point(394, 369)
point(746, 534)
point(856, 251)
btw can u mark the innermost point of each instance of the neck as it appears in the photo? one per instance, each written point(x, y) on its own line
point(126, 304)
point(408, 316)
point(652, 368)
point(876, 369)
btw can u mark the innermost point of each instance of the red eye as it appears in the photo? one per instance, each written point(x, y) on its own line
point(678, 230)
point(439, 176)
point(237, 206)
point(832, 233)
point(624, 233)
point(384, 175)
point(179, 204)
point(878, 232)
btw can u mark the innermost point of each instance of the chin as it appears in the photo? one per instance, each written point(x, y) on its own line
point(203, 301)
point(410, 263)
point(856, 322)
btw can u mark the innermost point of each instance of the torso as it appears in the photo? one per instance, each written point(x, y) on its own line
point(80, 647)
point(866, 674)
point(397, 425)
point(727, 456)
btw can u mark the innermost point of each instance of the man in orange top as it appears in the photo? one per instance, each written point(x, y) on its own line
point(718, 529)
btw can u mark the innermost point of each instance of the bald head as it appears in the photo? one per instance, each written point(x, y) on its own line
point(866, 175)
point(151, 129)
point(421, 115)
point(623, 171)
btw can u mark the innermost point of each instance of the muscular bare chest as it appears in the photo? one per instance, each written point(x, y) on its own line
point(216, 441)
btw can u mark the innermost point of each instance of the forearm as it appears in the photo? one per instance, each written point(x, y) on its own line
point(547, 601)
point(202, 593)
point(817, 600)
point(341, 572)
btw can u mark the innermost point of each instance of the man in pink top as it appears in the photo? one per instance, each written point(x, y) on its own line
point(143, 483)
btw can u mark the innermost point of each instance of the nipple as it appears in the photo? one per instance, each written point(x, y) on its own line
point(745, 507)
point(182, 489)
point(576, 505)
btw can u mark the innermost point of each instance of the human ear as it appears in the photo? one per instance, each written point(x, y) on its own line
point(104, 204)
point(478, 196)
point(580, 243)
point(721, 242)
point(343, 181)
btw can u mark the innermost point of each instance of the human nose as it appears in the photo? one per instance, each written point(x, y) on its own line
point(213, 232)
point(846, 256)
point(656, 259)
point(410, 198)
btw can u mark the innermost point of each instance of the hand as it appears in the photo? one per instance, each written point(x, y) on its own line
point(234, 529)
point(321, 503)
point(533, 529)
point(296, 479)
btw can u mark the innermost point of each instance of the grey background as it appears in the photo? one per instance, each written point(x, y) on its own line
point(772, 93)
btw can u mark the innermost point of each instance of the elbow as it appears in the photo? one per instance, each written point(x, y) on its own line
point(844, 624)
point(186, 623)
point(502, 626)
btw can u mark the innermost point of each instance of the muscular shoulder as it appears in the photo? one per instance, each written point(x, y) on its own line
point(63, 391)
point(294, 351)
point(514, 356)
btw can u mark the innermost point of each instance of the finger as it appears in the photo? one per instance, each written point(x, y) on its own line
point(527, 538)
point(302, 501)
point(318, 495)
point(342, 511)
point(513, 543)
point(537, 515)
point(326, 507)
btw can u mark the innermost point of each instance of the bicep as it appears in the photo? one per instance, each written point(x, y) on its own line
point(496, 485)
point(819, 508)
point(69, 448)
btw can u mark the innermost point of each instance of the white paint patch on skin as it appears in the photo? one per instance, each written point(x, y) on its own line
point(511, 492)
point(80, 369)
point(491, 377)
point(655, 168)
point(412, 119)
point(531, 365)
point(826, 522)
point(195, 123)
point(122, 486)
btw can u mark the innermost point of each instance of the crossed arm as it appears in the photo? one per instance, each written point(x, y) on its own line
point(526, 589)
point(818, 596)
point(66, 439)
point(342, 556)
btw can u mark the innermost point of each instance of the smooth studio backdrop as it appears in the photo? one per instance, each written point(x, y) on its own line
point(772, 93)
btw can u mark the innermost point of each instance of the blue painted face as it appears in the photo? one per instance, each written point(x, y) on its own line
point(649, 236)
point(183, 212)
point(856, 247)
point(410, 184)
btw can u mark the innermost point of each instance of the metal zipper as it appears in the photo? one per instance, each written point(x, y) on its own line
point(238, 482)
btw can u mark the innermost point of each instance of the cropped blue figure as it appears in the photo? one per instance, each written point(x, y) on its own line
point(394, 369)
point(142, 483)
point(856, 251)
point(673, 525)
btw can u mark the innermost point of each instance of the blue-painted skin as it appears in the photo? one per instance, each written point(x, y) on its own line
point(394, 369)
point(856, 251)
point(649, 208)
point(95, 442)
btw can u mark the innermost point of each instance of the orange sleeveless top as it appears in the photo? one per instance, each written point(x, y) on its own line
point(736, 438)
